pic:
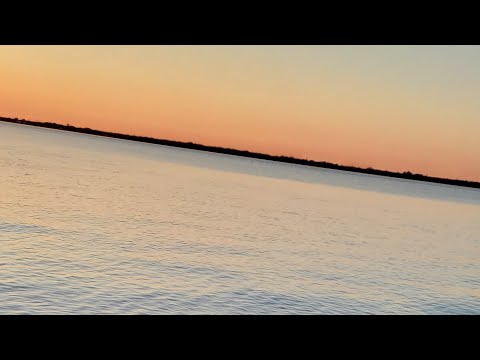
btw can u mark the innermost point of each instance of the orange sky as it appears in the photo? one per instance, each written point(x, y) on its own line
point(390, 107)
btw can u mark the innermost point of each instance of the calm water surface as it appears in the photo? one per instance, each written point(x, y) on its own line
point(96, 225)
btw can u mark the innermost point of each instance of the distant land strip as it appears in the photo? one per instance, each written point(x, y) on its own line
point(285, 159)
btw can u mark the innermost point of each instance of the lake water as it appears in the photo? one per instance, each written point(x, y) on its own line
point(91, 225)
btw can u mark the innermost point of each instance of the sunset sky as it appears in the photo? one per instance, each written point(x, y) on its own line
point(396, 108)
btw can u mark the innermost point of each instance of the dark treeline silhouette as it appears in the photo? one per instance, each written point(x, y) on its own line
point(245, 153)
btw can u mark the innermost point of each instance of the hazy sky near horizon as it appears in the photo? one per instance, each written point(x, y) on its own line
point(397, 108)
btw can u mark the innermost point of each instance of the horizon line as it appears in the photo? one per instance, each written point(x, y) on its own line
point(246, 153)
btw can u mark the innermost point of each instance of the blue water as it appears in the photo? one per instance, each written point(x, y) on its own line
point(92, 225)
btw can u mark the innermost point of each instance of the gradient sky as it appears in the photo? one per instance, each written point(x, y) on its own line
point(396, 108)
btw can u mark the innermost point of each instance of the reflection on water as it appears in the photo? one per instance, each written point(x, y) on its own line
point(96, 225)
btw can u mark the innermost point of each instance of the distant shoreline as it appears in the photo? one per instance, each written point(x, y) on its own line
point(285, 159)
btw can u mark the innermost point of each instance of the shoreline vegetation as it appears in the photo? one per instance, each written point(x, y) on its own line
point(285, 159)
